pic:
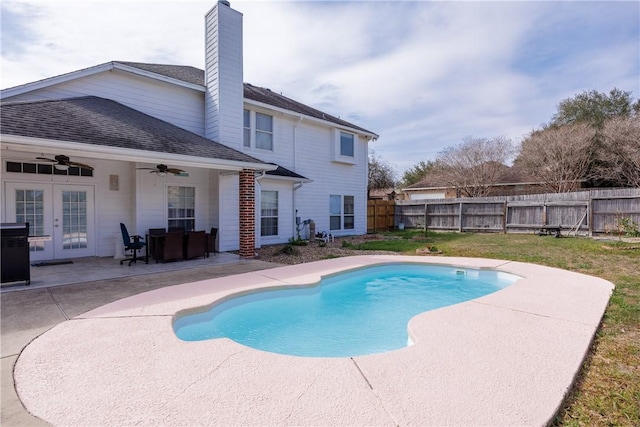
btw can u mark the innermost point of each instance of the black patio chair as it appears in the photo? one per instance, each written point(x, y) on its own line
point(131, 243)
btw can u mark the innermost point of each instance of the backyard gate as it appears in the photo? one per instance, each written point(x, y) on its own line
point(380, 215)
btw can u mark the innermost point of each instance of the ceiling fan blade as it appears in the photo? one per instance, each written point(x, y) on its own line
point(175, 171)
point(80, 165)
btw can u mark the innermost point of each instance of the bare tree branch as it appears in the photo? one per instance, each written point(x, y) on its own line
point(559, 157)
point(619, 154)
point(474, 166)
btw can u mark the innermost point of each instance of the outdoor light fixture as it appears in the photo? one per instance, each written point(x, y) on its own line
point(61, 167)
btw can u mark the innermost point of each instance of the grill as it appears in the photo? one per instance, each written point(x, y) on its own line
point(14, 239)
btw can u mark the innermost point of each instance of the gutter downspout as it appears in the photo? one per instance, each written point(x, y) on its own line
point(295, 143)
point(293, 206)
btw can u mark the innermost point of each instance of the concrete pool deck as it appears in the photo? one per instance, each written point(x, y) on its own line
point(508, 358)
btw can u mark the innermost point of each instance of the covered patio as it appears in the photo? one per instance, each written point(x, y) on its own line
point(90, 269)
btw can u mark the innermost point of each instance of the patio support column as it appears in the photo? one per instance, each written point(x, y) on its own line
point(247, 214)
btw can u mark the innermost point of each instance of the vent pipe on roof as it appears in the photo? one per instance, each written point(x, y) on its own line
point(225, 2)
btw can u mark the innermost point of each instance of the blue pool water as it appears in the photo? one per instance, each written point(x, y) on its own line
point(358, 312)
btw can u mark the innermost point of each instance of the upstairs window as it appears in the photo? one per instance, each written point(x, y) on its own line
point(246, 137)
point(344, 147)
point(264, 131)
point(346, 144)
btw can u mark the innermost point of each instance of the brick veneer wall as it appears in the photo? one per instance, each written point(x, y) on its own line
point(247, 214)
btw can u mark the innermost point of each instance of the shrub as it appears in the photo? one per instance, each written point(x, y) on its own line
point(288, 250)
point(627, 227)
point(297, 242)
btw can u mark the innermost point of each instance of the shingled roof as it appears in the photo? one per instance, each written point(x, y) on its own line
point(259, 94)
point(99, 121)
point(285, 173)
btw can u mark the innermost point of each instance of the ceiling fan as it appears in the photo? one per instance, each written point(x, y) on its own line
point(63, 162)
point(163, 170)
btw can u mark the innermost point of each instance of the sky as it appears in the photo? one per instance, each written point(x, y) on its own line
point(424, 75)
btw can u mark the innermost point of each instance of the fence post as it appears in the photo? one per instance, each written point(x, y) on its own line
point(504, 217)
point(425, 219)
point(460, 219)
point(589, 215)
point(375, 217)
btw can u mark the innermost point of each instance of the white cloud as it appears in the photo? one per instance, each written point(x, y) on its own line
point(423, 75)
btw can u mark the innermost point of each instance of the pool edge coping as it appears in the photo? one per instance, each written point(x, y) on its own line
point(565, 309)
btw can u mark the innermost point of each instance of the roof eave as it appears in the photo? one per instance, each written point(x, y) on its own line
point(288, 178)
point(50, 81)
point(368, 134)
point(156, 76)
point(36, 145)
point(114, 65)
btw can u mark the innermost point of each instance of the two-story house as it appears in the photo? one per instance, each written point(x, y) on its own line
point(153, 145)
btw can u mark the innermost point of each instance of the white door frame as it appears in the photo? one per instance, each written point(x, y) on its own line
point(53, 218)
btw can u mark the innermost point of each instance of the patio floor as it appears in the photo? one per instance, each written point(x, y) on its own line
point(82, 270)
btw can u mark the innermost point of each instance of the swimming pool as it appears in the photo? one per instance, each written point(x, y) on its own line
point(358, 312)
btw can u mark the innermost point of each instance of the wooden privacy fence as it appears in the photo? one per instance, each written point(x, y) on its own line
point(584, 212)
point(380, 215)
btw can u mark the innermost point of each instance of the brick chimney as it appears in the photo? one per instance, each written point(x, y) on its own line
point(223, 75)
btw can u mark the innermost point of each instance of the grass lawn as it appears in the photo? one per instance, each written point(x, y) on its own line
point(607, 391)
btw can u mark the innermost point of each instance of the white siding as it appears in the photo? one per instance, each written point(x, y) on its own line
point(223, 56)
point(311, 156)
point(229, 230)
point(177, 105)
point(111, 207)
point(286, 211)
point(152, 197)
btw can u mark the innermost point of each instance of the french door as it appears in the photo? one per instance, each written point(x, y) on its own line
point(60, 215)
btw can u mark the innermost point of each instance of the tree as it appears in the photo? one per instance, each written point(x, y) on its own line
point(560, 157)
point(619, 154)
point(381, 174)
point(595, 108)
point(417, 172)
point(474, 166)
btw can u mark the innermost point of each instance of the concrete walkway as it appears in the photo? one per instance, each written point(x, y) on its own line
point(28, 312)
point(508, 358)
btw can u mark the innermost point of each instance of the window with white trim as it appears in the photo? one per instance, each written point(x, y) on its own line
point(346, 144)
point(341, 212)
point(181, 207)
point(344, 147)
point(246, 137)
point(30, 208)
point(268, 213)
point(264, 131)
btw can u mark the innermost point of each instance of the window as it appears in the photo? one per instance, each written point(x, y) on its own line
point(74, 219)
point(246, 138)
point(349, 217)
point(30, 208)
point(46, 169)
point(341, 212)
point(346, 144)
point(264, 131)
point(182, 207)
point(269, 213)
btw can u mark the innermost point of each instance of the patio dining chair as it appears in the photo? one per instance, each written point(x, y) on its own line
point(171, 247)
point(211, 241)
